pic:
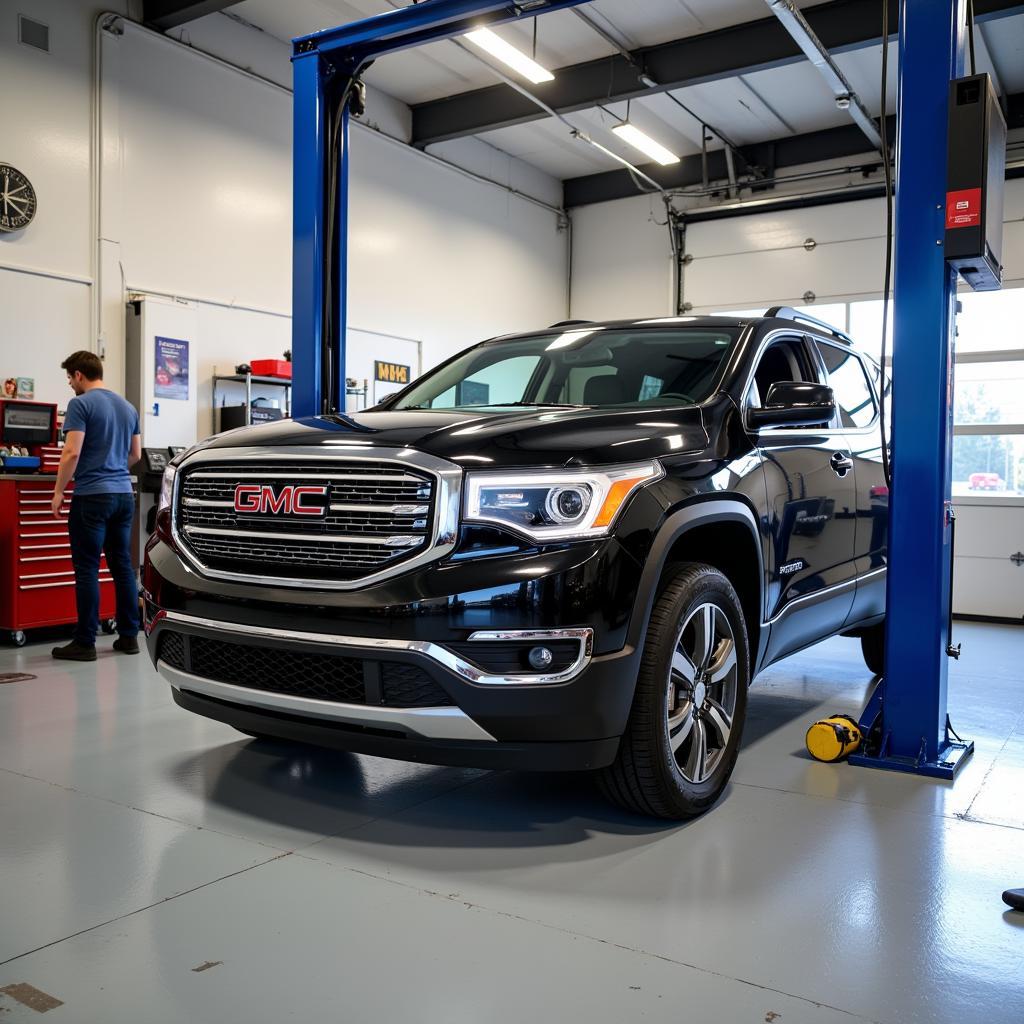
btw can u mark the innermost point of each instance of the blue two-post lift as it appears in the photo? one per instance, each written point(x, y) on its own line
point(909, 707)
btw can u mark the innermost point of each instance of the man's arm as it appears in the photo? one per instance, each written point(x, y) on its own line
point(68, 463)
point(135, 452)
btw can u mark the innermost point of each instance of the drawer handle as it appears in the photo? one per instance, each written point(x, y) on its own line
point(50, 586)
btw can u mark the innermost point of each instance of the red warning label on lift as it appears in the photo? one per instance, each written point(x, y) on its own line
point(963, 208)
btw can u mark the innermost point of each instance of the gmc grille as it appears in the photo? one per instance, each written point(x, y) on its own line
point(378, 515)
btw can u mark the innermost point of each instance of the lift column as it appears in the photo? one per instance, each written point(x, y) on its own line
point(914, 724)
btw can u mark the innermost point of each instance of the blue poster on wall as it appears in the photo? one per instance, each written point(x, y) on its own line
point(170, 376)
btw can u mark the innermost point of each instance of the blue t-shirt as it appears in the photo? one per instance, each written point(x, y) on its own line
point(109, 423)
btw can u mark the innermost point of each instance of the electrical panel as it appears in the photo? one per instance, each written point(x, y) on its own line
point(975, 171)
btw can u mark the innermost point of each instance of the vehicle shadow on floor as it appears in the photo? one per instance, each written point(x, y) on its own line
point(330, 792)
point(333, 792)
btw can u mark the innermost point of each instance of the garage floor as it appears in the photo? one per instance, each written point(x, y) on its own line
point(158, 867)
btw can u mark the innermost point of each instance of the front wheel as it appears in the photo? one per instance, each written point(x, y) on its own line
point(686, 722)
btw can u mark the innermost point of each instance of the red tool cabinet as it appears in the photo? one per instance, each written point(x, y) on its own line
point(37, 582)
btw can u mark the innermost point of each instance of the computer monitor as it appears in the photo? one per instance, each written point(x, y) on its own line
point(28, 422)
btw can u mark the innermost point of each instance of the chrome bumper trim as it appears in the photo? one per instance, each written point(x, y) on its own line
point(425, 723)
point(436, 652)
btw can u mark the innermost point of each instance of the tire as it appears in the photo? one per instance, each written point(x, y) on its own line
point(872, 645)
point(679, 703)
point(109, 626)
point(18, 637)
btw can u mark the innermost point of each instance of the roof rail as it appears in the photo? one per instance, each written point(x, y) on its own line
point(569, 323)
point(788, 313)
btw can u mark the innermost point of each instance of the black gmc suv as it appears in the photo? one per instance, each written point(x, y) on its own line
point(572, 549)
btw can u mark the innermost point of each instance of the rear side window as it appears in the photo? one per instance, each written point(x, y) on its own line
point(847, 379)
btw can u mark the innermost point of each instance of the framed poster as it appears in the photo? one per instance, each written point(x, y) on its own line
point(170, 369)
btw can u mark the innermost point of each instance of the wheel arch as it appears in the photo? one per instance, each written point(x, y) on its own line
point(723, 533)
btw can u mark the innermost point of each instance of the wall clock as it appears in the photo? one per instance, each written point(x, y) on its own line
point(17, 199)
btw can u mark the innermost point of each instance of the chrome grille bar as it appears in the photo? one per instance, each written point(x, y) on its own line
point(340, 476)
point(307, 538)
point(395, 510)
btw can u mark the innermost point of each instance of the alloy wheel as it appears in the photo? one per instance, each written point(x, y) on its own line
point(702, 687)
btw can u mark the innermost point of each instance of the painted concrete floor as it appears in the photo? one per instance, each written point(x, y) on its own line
point(156, 867)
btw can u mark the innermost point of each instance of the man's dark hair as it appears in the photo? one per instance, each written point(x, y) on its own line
point(88, 364)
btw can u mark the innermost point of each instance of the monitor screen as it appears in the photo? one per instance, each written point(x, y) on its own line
point(27, 423)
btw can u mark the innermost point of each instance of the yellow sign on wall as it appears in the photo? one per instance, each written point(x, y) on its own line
point(392, 373)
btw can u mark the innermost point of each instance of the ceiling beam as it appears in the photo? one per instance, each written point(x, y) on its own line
point(772, 156)
point(166, 14)
point(738, 50)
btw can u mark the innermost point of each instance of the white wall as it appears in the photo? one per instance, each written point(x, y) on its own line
point(622, 264)
point(195, 201)
point(46, 134)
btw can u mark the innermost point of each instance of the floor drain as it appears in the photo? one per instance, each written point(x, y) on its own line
point(15, 677)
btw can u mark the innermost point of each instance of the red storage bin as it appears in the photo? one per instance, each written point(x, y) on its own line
point(272, 368)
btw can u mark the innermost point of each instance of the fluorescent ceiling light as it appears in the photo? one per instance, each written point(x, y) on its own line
point(642, 141)
point(508, 54)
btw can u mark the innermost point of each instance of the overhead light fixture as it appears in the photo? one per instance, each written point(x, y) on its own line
point(508, 54)
point(642, 141)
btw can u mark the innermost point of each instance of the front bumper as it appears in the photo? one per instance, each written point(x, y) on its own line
point(552, 757)
point(569, 719)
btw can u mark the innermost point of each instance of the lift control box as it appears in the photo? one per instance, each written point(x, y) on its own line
point(975, 170)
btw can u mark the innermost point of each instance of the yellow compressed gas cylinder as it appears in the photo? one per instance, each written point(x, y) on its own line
point(833, 738)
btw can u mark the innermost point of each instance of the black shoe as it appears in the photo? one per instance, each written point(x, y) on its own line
point(1014, 898)
point(127, 644)
point(75, 651)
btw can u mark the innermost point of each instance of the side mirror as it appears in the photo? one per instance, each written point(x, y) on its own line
point(793, 403)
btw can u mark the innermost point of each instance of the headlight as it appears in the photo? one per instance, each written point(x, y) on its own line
point(166, 488)
point(557, 505)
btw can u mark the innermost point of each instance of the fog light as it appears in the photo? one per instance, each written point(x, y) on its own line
point(540, 658)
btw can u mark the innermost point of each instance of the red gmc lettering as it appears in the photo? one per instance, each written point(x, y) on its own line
point(276, 503)
point(290, 500)
point(247, 497)
point(308, 510)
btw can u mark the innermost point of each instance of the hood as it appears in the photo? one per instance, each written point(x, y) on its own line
point(523, 437)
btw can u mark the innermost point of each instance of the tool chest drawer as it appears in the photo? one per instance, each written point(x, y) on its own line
point(37, 580)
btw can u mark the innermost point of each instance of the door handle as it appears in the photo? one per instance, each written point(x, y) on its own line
point(841, 464)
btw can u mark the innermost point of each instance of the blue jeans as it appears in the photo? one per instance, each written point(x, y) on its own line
point(103, 523)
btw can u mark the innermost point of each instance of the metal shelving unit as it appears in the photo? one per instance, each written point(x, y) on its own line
point(249, 379)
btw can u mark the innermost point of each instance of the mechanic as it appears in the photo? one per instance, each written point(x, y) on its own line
point(102, 440)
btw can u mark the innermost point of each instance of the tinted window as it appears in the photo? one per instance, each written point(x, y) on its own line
point(847, 379)
point(583, 366)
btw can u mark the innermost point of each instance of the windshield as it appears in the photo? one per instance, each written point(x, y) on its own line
point(625, 367)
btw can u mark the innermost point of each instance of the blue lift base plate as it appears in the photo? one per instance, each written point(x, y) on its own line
point(949, 761)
